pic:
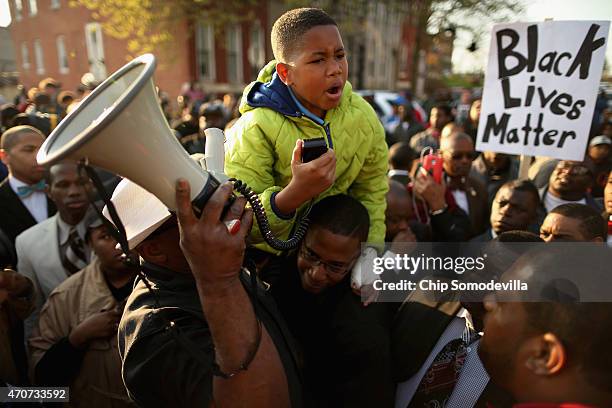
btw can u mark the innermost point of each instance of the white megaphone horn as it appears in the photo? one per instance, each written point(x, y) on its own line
point(120, 127)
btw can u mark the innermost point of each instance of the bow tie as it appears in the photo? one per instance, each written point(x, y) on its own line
point(26, 191)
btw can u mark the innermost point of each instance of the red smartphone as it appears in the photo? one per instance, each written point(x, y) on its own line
point(432, 163)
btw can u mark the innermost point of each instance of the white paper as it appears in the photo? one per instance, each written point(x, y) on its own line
point(554, 110)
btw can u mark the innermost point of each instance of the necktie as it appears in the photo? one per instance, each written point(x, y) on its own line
point(440, 379)
point(26, 191)
point(74, 258)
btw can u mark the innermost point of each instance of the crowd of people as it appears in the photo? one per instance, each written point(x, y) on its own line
point(214, 316)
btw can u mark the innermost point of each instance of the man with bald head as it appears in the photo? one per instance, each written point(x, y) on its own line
point(469, 194)
point(23, 202)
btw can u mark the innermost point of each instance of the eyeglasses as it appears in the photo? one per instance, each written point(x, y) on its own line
point(573, 169)
point(336, 269)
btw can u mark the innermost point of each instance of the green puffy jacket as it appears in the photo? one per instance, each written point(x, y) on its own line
point(260, 145)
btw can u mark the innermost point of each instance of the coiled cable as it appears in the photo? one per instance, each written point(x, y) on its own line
point(264, 224)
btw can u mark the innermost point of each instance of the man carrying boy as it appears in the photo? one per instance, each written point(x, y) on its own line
point(304, 94)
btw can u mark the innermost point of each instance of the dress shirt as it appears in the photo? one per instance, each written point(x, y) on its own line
point(36, 203)
point(551, 202)
point(461, 200)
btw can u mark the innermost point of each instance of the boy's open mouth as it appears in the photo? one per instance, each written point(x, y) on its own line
point(334, 91)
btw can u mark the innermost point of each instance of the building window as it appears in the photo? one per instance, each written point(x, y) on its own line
point(25, 56)
point(33, 8)
point(18, 10)
point(55, 4)
point(62, 56)
point(257, 52)
point(234, 54)
point(38, 57)
point(205, 51)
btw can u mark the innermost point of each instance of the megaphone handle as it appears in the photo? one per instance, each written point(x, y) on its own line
point(207, 191)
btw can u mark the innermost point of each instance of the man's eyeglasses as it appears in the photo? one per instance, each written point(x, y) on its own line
point(337, 269)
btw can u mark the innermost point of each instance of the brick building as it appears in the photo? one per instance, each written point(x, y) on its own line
point(53, 39)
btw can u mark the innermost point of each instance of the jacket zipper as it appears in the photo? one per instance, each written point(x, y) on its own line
point(325, 127)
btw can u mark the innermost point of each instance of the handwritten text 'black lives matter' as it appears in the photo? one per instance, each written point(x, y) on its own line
point(562, 64)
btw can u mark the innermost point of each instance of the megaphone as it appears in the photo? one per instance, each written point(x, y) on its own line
point(120, 127)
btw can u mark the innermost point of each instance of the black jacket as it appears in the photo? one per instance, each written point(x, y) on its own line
point(14, 216)
point(172, 366)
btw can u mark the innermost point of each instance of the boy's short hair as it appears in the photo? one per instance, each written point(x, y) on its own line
point(342, 215)
point(288, 30)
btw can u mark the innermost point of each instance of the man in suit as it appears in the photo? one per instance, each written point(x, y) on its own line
point(431, 328)
point(470, 195)
point(514, 209)
point(23, 202)
point(51, 251)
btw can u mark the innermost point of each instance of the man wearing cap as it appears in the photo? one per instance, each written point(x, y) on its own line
point(197, 329)
point(51, 251)
point(599, 161)
point(23, 202)
point(74, 343)
point(51, 87)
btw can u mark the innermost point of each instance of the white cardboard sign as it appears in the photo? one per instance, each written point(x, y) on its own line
point(541, 86)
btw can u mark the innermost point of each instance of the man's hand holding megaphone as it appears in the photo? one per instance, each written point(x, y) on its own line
point(248, 366)
point(214, 247)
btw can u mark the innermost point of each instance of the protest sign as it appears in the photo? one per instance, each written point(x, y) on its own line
point(541, 87)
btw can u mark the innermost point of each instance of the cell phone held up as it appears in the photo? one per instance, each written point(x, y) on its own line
point(432, 163)
point(313, 148)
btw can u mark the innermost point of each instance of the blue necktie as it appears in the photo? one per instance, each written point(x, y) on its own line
point(26, 191)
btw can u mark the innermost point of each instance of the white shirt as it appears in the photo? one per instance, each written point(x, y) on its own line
point(472, 380)
point(398, 172)
point(551, 202)
point(461, 200)
point(36, 203)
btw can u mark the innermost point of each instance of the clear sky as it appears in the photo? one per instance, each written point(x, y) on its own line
point(5, 15)
point(535, 10)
